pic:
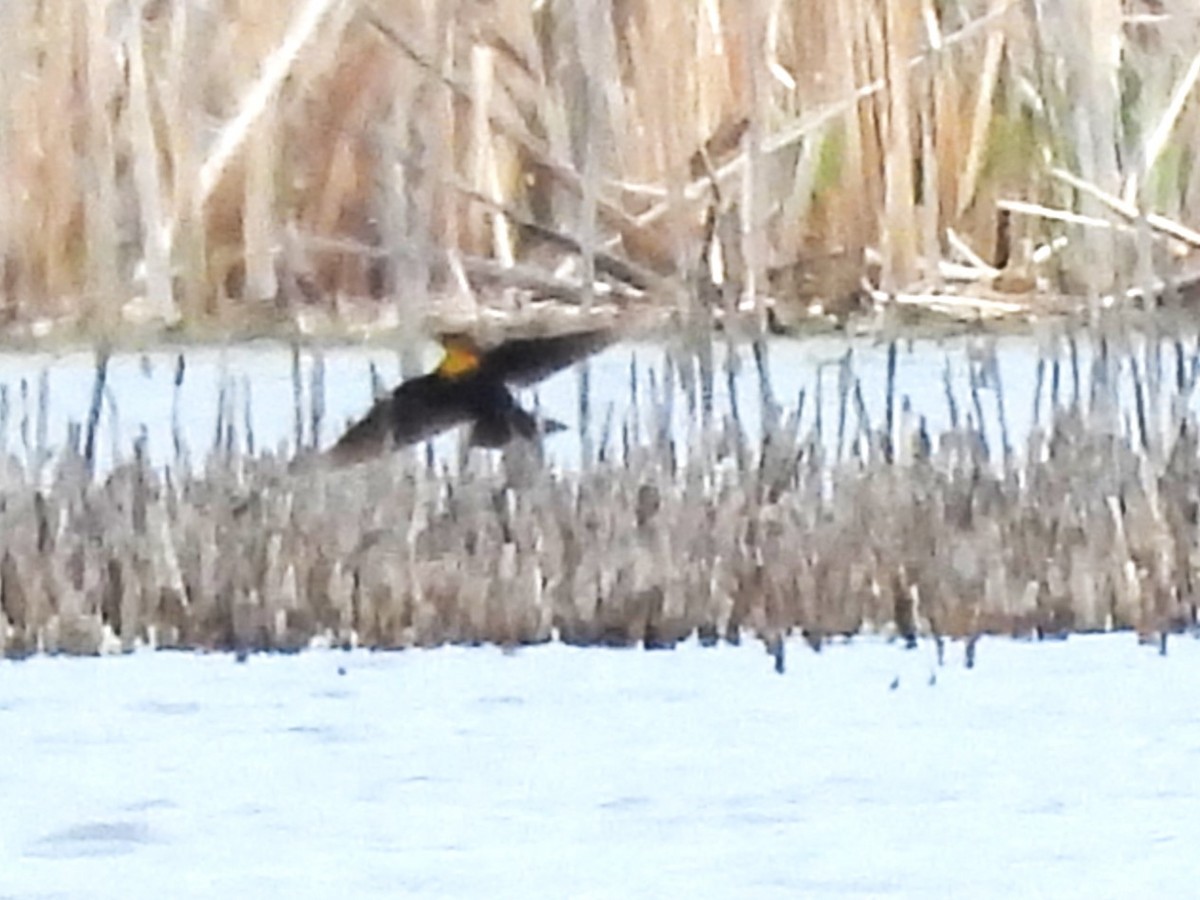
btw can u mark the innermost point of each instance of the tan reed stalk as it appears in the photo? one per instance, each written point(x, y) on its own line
point(849, 214)
point(755, 26)
point(186, 46)
point(104, 292)
point(154, 226)
point(982, 114)
point(929, 211)
point(53, 243)
point(899, 238)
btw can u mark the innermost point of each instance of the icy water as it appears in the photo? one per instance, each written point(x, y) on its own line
point(1048, 770)
point(624, 383)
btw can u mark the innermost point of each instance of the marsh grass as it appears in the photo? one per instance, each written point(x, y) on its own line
point(814, 526)
point(247, 165)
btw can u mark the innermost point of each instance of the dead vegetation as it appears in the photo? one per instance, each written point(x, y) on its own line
point(826, 528)
point(254, 165)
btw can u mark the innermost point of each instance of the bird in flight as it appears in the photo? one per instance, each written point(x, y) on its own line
point(469, 385)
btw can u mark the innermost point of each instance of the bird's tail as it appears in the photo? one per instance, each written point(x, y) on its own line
point(496, 431)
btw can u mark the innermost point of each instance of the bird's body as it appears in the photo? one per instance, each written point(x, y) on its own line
point(469, 385)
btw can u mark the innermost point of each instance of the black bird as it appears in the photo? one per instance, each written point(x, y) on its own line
point(469, 385)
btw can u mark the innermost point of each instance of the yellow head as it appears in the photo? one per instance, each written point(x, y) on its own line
point(462, 356)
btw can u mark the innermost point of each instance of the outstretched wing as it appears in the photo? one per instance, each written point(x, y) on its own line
point(416, 410)
point(526, 360)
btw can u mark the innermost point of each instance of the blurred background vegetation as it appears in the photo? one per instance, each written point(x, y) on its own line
point(254, 163)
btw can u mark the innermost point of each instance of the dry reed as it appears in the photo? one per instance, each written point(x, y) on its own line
point(814, 527)
point(251, 164)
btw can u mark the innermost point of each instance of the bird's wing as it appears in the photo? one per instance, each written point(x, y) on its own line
point(418, 409)
point(526, 360)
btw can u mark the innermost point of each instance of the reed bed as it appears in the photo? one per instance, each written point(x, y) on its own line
point(261, 165)
point(1092, 523)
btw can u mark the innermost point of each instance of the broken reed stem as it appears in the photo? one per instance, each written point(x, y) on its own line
point(1157, 142)
point(297, 397)
point(1128, 209)
point(889, 416)
point(254, 103)
point(845, 380)
point(177, 442)
point(316, 397)
point(41, 440)
point(976, 381)
point(248, 418)
point(94, 409)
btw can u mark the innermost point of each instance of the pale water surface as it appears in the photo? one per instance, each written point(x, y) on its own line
point(1048, 770)
point(259, 388)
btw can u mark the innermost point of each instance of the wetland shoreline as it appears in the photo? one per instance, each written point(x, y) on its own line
point(798, 522)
